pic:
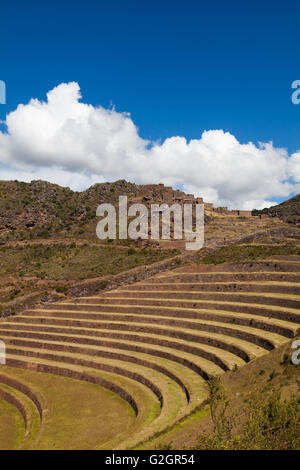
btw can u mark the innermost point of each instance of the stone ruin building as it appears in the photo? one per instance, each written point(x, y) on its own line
point(159, 193)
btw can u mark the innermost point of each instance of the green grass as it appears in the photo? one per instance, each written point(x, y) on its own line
point(11, 426)
point(82, 415)
point(44, 270)
point(77, 415)
point(245, 253)
point(240, 388)
point(195, 416)
point(33, 418)
point(72, 262)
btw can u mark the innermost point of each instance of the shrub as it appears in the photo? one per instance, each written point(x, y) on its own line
point(286, 359)
point(272, 375)
point(265, 423)
point(61, 289)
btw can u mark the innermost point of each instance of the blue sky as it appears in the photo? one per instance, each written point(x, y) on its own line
point(178, 67)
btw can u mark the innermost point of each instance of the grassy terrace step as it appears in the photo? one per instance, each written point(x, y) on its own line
point(231, 302)
point(131, 342)
point(258, 297)
point(162, 381)
point(225, 276)
point(267, 298)
point(188, 360)
point(265, 339)
point(287, 327)
point(193, 385)
point(153, 344)
point(197, 287)
point(162, 388)
point(165, 364)
point(29, 404)
point(51, 363)
point(146, 403)
point(104, 365)
point(269, 265)
point(27, 409)
point(294, 259)
point(243, 349)
point(13, 420)
point(93, 404)
point(242, 337)
point(12, 427)
point(264, 319)
point(8, 394)
point(25, 390)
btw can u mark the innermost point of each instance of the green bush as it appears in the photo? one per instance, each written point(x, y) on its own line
point(266, 422)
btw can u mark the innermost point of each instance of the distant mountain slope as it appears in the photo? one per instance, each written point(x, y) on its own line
point(42, 204)
point(39, 203)
point(288, 211)
point(42, 210)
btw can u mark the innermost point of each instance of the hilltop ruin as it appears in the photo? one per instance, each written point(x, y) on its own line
point(160, 193)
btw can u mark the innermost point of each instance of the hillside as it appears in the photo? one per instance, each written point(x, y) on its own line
point(49, 244)
point(42, 210)
point(47, 209)
point(259, 384)
point(288, 211)
point(141, 329)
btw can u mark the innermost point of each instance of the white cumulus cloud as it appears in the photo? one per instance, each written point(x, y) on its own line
point(71, 143)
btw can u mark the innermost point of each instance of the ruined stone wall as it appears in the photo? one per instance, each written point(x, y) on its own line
point(244, 213)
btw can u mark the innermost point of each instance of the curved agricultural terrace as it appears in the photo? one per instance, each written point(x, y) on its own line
point(114, 370)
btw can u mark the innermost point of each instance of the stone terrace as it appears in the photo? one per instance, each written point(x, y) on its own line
point(167, 334)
